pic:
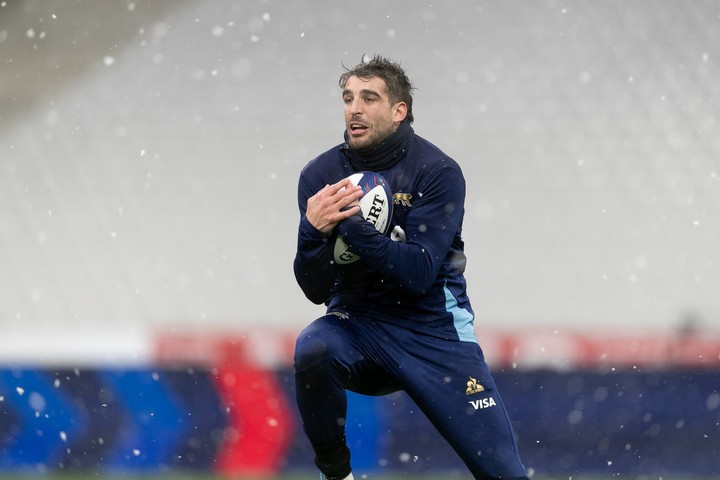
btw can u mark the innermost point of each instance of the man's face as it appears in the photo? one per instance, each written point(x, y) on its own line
point(369, 115)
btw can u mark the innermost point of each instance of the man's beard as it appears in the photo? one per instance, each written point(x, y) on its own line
point(366, 145)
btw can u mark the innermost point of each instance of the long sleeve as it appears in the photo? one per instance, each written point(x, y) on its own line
point(430, 229)
point(313, 267)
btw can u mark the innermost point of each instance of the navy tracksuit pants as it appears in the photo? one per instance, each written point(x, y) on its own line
point(449, 380)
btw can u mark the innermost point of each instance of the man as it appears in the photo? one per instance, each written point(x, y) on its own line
point(399, 318)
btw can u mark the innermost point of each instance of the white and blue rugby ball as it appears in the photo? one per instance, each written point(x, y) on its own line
point(375, 206)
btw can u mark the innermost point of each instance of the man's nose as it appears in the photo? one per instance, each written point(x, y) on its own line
point(355, 106)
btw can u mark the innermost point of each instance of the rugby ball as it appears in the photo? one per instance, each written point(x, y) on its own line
point(375, 206)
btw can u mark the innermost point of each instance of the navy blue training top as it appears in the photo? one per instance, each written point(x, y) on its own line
point(416, 282)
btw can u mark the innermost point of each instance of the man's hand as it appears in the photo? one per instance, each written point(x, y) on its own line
point(330, 205)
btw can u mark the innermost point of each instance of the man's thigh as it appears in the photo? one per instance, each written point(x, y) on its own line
point(452, 385)
point(351, 342)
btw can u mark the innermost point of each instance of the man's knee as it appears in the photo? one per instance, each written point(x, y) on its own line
point(318, 342)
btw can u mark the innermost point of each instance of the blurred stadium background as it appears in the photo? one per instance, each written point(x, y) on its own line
point(149, 152)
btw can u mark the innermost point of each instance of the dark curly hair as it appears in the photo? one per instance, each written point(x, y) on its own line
point(399, 87)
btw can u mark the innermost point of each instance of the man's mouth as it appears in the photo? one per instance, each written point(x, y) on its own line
point(357, 128)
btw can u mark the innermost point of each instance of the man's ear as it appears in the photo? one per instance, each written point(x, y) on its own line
point(399, 112)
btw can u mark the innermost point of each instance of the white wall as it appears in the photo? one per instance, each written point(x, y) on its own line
point(149, 155)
